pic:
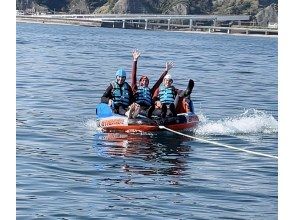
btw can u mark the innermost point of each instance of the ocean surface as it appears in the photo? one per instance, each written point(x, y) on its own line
point(67, 168)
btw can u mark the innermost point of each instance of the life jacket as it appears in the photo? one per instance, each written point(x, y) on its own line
point(167, 95)
point(120, 94)
point(143, 96)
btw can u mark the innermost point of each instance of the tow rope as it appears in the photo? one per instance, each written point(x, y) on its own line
point(218, 144)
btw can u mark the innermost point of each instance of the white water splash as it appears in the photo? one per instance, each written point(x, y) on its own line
point(250, 122)
point(91, 125)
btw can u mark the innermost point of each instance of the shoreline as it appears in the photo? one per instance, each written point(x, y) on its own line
point(232, 34)
point(241, 31)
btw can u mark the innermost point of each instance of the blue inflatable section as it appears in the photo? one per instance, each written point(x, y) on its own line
point(103, 111)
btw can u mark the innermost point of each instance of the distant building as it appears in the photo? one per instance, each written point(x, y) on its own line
point(272, 25)
point(19, 12)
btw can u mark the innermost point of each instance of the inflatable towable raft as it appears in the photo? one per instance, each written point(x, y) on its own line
point(109, 121)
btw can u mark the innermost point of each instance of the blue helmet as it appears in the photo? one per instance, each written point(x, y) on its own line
point(121, 72)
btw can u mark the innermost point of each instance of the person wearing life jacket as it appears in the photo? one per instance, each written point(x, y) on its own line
point(119, 94)
point(167, 98)
point(142, 92)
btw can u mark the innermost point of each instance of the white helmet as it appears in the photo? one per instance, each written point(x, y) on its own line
point(168, 77)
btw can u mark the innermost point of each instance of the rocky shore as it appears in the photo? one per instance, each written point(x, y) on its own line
point(262, 12)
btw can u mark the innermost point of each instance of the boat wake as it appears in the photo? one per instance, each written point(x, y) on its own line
point(252, 121)
point(91, 125)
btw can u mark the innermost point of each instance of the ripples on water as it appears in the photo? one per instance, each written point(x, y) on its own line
point(69, 169)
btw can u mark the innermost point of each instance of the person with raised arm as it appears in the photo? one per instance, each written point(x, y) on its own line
point(142, 92)
point(167, 97)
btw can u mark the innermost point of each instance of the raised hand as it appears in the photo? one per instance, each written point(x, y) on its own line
point(136, 54)
point(169, 65)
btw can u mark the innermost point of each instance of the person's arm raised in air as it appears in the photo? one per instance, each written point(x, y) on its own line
point(168, 66)
point(136, 54)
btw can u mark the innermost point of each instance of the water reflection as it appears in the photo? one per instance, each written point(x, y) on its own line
point(147, 154)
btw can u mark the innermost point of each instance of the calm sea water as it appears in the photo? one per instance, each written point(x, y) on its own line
point(66, 168)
